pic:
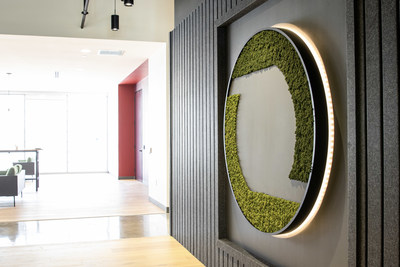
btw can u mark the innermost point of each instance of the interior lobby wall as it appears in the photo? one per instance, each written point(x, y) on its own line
point(157, 134)
point(358, 224)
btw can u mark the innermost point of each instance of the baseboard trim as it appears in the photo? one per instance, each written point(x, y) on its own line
point(158, 204)
point(126, 177)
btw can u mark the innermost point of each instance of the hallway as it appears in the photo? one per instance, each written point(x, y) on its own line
point(87, 220)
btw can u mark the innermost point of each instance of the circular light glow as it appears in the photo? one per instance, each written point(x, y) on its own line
point(331, 127)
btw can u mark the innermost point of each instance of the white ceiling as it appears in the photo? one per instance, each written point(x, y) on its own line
point(33, 62)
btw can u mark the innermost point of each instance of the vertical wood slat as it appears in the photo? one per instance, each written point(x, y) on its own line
point(190, 148)
point(203, 80)
point(181, 139)
point(362, 143)
point(212, 144)
point(356, 135)
point(185, 140)
point(207, 133)
point(224, 7)
point(352, 39)
point(230, 254)
point(195, 114)
point(200, 248)
point(193, 172)
point(374, 53)
point(172, 130)
point(196, 78)
point(390, 103)
point(374, 132)
point(211, 185)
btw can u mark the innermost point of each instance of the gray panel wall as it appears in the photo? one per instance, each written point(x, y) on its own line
point(369, 121)
point(373, 123)
point(198, 177)
point(183, 8)
point(194, 146)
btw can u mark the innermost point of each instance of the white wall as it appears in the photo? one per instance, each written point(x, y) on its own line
point(157, 129)
point(113, 132)
point(144, 86)
point(147, 20)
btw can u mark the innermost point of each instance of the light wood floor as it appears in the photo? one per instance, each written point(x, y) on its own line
point(147, 251)
point(84, 196)
point(78, 196)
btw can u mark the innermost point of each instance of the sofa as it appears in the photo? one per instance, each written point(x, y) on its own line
point(12, 181)
point(27, 165)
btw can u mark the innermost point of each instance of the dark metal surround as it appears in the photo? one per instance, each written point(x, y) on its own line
point(320, 146)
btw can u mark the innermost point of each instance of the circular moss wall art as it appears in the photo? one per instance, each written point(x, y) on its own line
point(279, 130)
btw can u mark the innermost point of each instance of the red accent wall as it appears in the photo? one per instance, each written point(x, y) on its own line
point(139, 74)
point(126, 120)
point(126, 129)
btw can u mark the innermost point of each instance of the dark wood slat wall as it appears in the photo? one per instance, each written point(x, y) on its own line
point(373, 132)
point(230, 254)
point(390, 83)
point(193, 146)
point(197, 165)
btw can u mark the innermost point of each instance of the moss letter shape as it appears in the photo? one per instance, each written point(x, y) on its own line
point(266, 213)
point(268, 48)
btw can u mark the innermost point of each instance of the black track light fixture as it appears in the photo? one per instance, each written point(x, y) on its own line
point(115, 19)
point(115, 22)
point(128, 3)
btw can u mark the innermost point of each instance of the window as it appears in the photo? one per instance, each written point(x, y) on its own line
point(70, 128)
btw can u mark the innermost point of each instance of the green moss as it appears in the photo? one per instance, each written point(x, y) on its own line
point(266, 213)
point(269, 48)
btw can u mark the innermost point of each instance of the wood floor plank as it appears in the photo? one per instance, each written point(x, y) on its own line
point(78, 196)
point(147, 251)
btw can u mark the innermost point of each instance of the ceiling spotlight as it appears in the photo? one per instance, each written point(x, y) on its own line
point(128, 2)
point(86, 51)
point(115, 19)
point(115, 22)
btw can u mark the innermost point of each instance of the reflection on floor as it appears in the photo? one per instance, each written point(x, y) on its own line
point(65, 196)
point(82, 230)
point(87, 220)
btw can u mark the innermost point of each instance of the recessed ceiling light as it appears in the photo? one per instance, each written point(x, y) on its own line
point(86, 51)
point(111, 52)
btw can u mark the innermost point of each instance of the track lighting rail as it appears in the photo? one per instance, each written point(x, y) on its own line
point(114, 17)
point(84, 12)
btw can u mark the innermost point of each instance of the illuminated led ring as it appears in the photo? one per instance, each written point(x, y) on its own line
point(325, 131)
point(323, 127)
